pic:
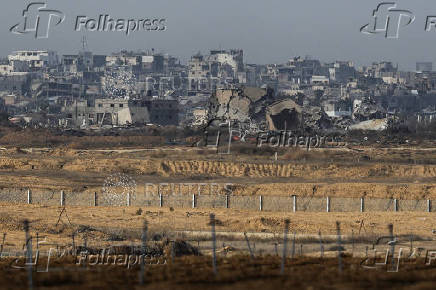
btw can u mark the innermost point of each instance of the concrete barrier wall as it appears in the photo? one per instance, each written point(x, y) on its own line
point(253, 203)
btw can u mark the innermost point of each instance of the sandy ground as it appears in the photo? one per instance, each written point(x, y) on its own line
point(405, 173)
point(386, 173)
point(104, 225)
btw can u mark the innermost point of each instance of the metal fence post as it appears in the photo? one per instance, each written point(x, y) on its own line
point(428, 205)
point(194, 200)
point(261, 203)
point(227, 201)
point(294, 203)
point(285, 246)
point(95, 198)
point(328, 204)
point(128, 198)
point(29, 263)
point(160, 200)
point(339, 245)
point(143, 252)
point(29, 196)
point(321, 246)
point(62, 198)
point(249, 247)
point(212, 223)
point(293, 246)
point(362, 204)
point(395, 204)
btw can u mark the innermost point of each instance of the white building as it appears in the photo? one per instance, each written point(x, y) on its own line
point(121, 59)
point(113, 112)
point(6, 69)
point(337, 109)
point(19, 68)
point(320, 80)
point(35, 59)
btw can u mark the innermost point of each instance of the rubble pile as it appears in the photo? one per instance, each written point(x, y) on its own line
point(243, 105)
point(368, 110)
point(253, 105)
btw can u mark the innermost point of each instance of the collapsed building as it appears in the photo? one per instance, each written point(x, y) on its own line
point(120, 112)
point(288, 115)
point(367, 109)
point(218, 69)
point(242, 105)
point(256, 108)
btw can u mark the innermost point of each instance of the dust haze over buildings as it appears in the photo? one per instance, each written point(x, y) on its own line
point(162, 71)
point(269, 32)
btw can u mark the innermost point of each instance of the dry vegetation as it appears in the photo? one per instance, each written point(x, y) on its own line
point(356, 172)
point(81, 163)
point(103, 225)
point(237, 272)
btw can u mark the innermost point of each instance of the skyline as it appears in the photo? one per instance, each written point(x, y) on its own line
point(183, 62)
point(268, 33)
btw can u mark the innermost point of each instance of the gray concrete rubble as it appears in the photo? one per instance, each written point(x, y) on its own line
point(253, 107)
point(367, 110)
point(241, 105)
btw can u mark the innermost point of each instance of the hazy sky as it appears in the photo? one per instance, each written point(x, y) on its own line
point(269, 31)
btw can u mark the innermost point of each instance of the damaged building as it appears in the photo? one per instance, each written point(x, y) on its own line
point(257, 108)
point(120, 112)
point(367, 109)
point(288, 115)
point(243, 105)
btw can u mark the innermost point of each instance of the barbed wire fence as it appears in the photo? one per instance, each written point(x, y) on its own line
point(119, 190)
point(285, 248)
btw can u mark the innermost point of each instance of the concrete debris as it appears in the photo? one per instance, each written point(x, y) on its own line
point(250, 106)
point(243, 105)
point(284, 115)
point(367, 109)
point(372, 125)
